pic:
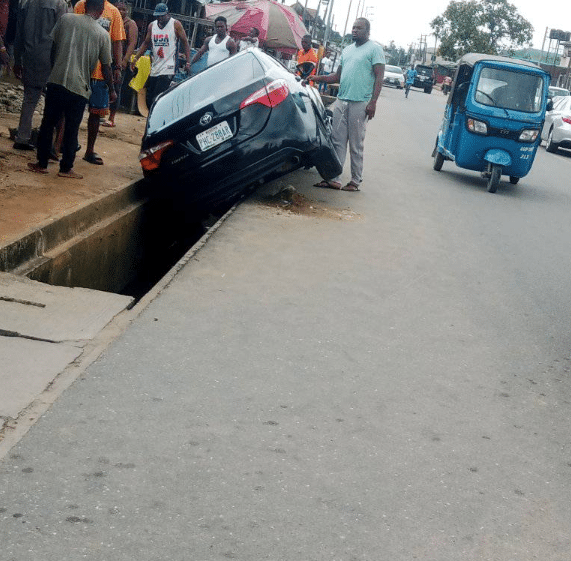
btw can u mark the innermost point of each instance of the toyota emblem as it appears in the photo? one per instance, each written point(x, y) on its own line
point(206, 119)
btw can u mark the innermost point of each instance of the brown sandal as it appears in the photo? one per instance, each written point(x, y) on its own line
point(37, 168)
point(350, 187)
point(70, 174)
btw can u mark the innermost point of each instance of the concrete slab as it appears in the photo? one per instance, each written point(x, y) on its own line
point(43, 329)
point(28, 367)
point(54, 313)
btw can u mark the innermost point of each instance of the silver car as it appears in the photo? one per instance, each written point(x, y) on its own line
point(394, 76)
point(554, 91)
point(557, 127)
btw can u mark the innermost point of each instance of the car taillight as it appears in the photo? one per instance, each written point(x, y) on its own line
point(151, 157)
point(270, 96)
point(566, 120)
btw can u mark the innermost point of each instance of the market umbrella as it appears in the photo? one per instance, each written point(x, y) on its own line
point(280, 27)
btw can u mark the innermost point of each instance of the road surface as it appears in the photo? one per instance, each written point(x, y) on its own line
point(391, 384)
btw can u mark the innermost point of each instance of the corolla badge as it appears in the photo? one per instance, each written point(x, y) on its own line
point(206, 119)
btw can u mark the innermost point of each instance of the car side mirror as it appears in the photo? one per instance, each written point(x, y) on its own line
point(549, 106)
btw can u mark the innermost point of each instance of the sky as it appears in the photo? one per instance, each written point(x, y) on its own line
point(404, 22)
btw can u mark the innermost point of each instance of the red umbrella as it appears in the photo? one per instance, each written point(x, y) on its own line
point(280, 27)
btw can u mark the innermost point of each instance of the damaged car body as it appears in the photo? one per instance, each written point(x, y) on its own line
point(242, 121)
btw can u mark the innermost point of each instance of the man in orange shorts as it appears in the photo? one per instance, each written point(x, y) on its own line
point(112, 22)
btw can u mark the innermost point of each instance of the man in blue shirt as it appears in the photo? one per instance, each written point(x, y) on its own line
point(411, 74)
point(360, 77)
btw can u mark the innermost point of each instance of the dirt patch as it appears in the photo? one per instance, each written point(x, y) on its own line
point(28, 199)
point(288, 200)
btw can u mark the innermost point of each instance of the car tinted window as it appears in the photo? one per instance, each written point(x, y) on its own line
point(208, 86)
point(521, 91)
point(395, 69)
point(424, 71)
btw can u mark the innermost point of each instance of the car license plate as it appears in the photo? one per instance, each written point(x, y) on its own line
point(213, 136)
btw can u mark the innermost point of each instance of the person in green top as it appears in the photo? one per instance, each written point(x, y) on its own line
point(360, 78)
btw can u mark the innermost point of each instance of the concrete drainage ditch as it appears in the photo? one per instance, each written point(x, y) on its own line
point(122, 243)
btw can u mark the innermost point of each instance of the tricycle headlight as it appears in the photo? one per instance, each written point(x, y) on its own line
point(478, 127)
point(528, 135)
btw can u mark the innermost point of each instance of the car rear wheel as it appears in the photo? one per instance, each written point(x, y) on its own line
point(551, 146)
point(325, 158)
point(513, 180)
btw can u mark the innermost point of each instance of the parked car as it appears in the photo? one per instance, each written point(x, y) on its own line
point(394, 76)
point(424, 78)
point(557, 127)
point(237, 123)
point(554, 91)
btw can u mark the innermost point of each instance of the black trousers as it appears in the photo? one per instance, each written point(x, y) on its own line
point(156, 85)
point(60, 102)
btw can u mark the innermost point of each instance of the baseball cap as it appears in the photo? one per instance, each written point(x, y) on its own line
point(161, 9)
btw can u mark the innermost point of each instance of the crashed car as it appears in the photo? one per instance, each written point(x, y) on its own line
point(239, 122)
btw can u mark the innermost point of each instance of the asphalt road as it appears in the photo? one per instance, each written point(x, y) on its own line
point(393, 385)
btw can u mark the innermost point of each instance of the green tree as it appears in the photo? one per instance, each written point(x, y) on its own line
point(480, 26)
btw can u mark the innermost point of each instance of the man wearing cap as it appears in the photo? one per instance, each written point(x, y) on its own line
point(112, 22)
point(162, 36)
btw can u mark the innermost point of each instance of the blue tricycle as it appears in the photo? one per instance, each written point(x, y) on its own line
point(493, 117)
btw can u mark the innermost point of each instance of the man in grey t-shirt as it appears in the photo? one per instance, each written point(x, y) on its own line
point(32, 64)
point(79, 42)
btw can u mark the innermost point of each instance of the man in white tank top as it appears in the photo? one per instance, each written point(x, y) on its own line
point(162, 36)
point(219, 46)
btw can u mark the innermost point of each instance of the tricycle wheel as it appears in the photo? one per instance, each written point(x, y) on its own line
point(438, 161)
point(513, 180)
point(494, 179)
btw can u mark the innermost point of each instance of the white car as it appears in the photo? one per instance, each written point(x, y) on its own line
point(394, 76)
point(554, 92)
point(557, 127)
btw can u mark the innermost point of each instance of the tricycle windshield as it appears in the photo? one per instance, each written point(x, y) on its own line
point(521, 91)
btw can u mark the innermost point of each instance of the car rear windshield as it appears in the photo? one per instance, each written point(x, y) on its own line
point(424, 70)
point(521, 91)
point(393, 69)
point(214, 83)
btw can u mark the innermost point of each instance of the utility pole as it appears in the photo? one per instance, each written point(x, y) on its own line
point(422, 48)
point(346, 21)
point(328, 24)
point(315, 19)
point(543, 44)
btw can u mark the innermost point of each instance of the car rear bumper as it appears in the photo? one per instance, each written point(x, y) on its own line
point(213, 185)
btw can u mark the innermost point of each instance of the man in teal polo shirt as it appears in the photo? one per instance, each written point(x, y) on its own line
point(360, 77)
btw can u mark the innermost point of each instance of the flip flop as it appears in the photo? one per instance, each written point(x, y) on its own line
point(37, 168)
point(93, 158)
point(328, 185)
point(70, 174)
point(107, 124)
point(350, 187)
